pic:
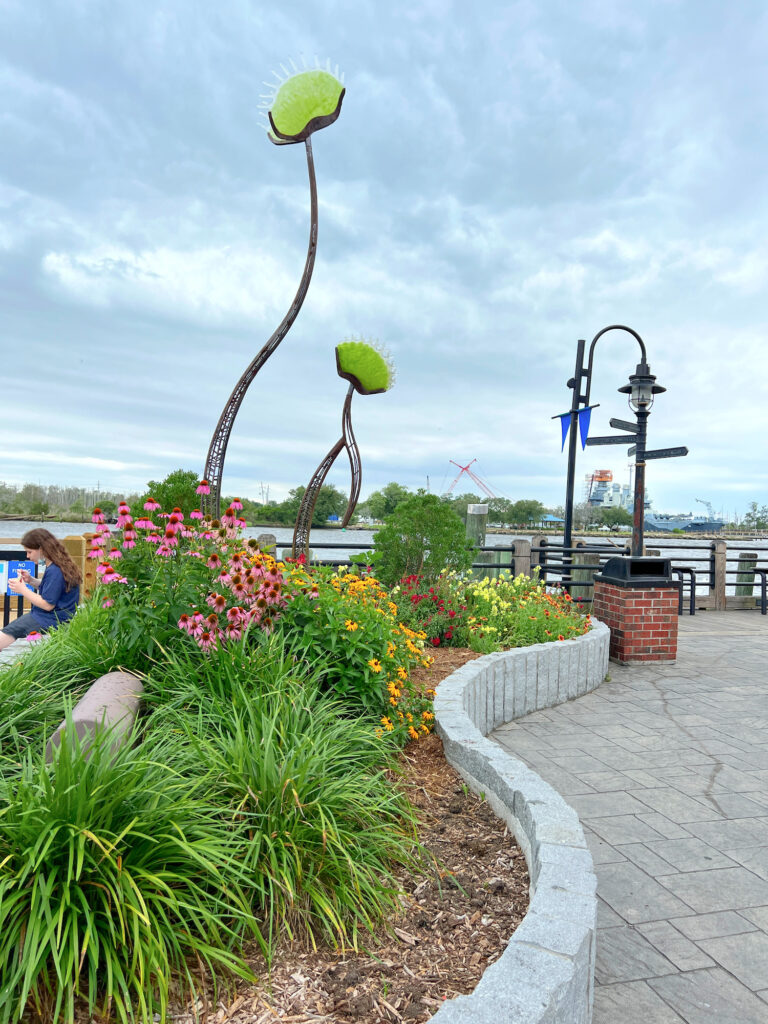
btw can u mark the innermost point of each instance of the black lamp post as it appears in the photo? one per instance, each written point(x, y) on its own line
point(641, 390)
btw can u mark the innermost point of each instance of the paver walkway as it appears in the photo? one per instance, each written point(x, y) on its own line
point(667, 767)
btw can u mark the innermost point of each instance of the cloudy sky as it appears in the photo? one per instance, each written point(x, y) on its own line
point(499, 184)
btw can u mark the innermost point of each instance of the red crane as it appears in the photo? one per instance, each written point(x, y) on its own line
point(472, 476)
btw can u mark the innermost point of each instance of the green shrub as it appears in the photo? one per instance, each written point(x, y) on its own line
point(114, 873)
point(423, 536)
point(306, 786)
point(491, 614)
point(348, 627)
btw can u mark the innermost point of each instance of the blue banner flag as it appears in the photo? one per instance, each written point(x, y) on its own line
point(565, 422)
point(584, 417)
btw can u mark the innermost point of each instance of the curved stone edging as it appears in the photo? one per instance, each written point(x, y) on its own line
point(546, 973)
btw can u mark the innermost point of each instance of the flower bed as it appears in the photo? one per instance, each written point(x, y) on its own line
point(260, 797)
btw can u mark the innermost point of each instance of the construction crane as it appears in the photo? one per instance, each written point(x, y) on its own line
point(472, 476)
point(708, 506)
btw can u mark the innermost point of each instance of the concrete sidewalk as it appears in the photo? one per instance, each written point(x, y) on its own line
point(667, 767)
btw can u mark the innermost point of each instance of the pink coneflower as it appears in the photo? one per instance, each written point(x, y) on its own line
point(176, 511)
point(107, 602)
point(164, 551)
point(129, 542)
point(207, 640)
point(203, 487)
point(174, 523)
point(95, 542)
point(187, 532)
point(195, 514)
point(97, 516)
point(102, 568)
point(150, 505)
point(228, 519)
point(240, 524)
point(104, 529)
point(124, 517)
point(213, 561)
point(170, 537)
point(236, 561)
point(237, 505)
point(110, 576)
point(144, 523)
point(96, 553)
point(236, 614)
point(185, 622)
point(152, 538)
point(233, 631)
point(34, 636)
point(193, 554)
point(115, 553)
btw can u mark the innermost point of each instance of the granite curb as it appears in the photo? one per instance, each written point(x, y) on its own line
point(546, 973)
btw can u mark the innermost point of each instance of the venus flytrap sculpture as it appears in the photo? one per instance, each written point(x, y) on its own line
point(369, 372)
point(300, 105)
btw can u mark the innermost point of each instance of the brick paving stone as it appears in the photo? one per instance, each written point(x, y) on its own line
point(709, 996)
point(613, 1003)
point(623, 954)
point(636, 896)
point(745, 956)
point(690, 854)
point(678, 949)
point(707, 926)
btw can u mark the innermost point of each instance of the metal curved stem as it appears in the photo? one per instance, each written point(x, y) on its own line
point(354, 457)
point(214, 463)
point(309, 498)
point(613, 327)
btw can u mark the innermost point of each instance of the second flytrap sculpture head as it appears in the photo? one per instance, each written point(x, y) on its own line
point(370, 372)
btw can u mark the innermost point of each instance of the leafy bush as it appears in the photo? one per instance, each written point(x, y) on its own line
point(114, 872)
point(489, 614)
point(303, 784)
point(347, 626)
point(423, 537)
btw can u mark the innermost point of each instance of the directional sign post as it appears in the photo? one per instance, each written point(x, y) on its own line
point(618, 439)
point(666, 453)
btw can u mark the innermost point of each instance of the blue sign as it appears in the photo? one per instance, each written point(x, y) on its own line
point(333, 519)
point(10, 571)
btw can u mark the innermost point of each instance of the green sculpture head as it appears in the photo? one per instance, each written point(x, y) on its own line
point(304, 103)
point(365, 366)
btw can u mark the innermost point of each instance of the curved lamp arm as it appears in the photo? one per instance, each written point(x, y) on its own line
point(613, 327)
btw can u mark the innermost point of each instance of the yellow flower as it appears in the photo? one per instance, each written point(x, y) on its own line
point(351, 626)
point(427, 716)
point(412, 733)
point(402, 674)
point(387, 724)
point(374, 665)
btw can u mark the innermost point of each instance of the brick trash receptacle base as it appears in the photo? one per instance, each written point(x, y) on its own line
point(643, 622)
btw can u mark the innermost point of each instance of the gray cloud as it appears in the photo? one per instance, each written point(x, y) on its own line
point(497, 185)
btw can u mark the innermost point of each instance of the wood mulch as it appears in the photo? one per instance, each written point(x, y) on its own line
point(456, 918)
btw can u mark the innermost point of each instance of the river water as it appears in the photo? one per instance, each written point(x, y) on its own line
point(684, 551)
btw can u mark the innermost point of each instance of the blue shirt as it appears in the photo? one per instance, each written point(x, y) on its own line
point(53, 589)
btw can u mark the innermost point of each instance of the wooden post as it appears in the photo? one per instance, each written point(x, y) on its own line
point(477, 518)
point(745, 580)
point(719, 550)
point(585, 576)
point(522, 557)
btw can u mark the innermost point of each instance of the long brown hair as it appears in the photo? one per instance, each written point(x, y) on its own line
point(53, 551)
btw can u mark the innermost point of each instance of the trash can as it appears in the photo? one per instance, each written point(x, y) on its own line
point(637, 599)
